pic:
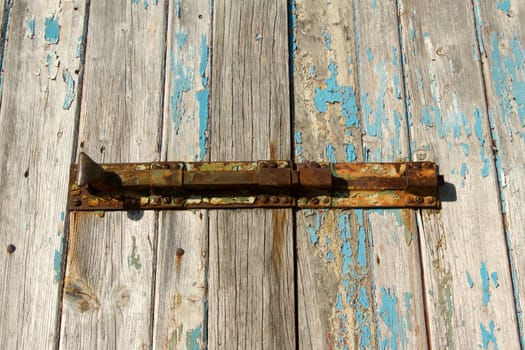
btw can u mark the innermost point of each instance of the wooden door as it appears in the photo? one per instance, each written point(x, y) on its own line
point(337, 81)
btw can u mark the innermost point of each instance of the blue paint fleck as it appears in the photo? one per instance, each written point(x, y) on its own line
point(479, 25)
point(31, 28)
point(488, 336)
point(327, 38)
point(407, 296)
point(469, 280)
point(181, 39)
point(313, 231)
point(495, 279)
point(80, 47)
point(374, 122)
point(182, 82)
point(395, 63)
point(292, 22)
point(343, 225)
point(298, 138)
point(330, 153)
point(70, 89)
point(369, 54)
point(361, 247)
point(339, 304)
point(329, 256)
point(258, 36)
point(334, 93)
point(484, 283)
point(478, 129)
point(193, 338)
point(177, 8)
point(52, 30)
point(504, 6)
point(374, 4)
point(350, 153)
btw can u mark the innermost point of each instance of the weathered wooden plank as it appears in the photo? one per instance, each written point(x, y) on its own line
point(37, 123)
point(181, 286)
point(359, 277)
point(251, 290)
point(500, 28)
point(110, 272)
point(464, 258)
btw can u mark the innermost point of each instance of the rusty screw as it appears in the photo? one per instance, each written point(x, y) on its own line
point(420, 200)
point(263, 164)
point(431, 200)
point(315, 200)
point(166, 200)
point(77, 202)
point(272, 164)
point(285, 199)
point(326, 200)
point(178, 200)
point(155, 200)
point(11, 248)
point(314, 164)
point(179, 252)
point(274, 199)
point(264, 199)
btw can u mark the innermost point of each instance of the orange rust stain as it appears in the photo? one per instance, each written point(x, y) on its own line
point(278, 221)
point(272, 151)
point(408, 220)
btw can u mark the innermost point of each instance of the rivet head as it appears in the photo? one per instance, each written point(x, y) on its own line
point(11, 248)
point(166, 200)
point(263, 165)
point(314, 164)
point(264, 199)
point(315, 200)
point(420, 200)
point(431, 200)
point(285, 200)
point(179, 252)
point(274, 199)
point(155, 166)
point(326, 200)
point(178, 200)
point(272, 164)
point(76, 202)
point(155, 200)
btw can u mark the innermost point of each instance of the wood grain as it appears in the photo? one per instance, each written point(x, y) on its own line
point(358, 271)
point(251, 291)
point(182, 255)
point(37, 130)
point(110, 263)
point(469, 292)
point(500, 29)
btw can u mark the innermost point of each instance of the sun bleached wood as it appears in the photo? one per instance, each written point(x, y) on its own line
point(182, 256)
point(469, 293)
point(251, 285)
point(501, 29)
point(37, 132)
point(110, 263)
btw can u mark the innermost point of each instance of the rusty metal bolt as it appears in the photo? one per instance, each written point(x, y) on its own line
point(315, 201)
point(76, 202)
point(420, 200)
point(166, 200)
point(326, 200)
point(263, 165)
point(264, 199)
point(272, 164)
point(314, 164)
point(178, 200)
point(155, 166)
point(410, 200)
point(274, 199)
point(11, 248)
point(179, 252)
point(155, 200)
point(431, 200)
point(285, 199)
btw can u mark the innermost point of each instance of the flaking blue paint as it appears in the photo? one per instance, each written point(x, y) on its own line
point(395, 63)
point(52, 30)
point(330, 153)
point(313, 230)
point(394, 322)
point(327, 39)
point(369, 54)
point(504, 6)
point(203, 100)
point(329, 256)
point(57, 263)
point(488, 336)
point(258, 36)
point(334, 93)
point(361, 237)
point(339, 303)
point(193, 338)
point(350, 153)
point(177, 8)
point(499, 163)
point(181, 38)
point(374, 123)
point(343, 225)
point(31, 28)
point(70, 89)
point(485, 283)
point(80, 46)
point(292, 23)
point(495, 279)
point(298, 138)
point(395, 141)
point(182, 82)
point(374, 5)
point(407, 296)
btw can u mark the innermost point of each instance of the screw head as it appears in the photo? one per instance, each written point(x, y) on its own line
point(420, 200)
point(178, 200)
point(285, 199)
point(272, 164)
point(315, 200)
point(264, 199)
point(11, 248)
point(431, 200)
point(76, 202)
point(314, 164)
point(179, 252)
point(155, 200)
point(166, 200)
point(274, 199)
point(326, 200)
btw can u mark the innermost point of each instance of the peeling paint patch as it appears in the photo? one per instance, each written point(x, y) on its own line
point(52, 30)
point(134, 258)
point(57, 263)
point(485, 283)
point(52, 64)
point(330, 153)
point(488, 336)
point(31, 28)
point(193, 338)
point(70, 89)
point(313, 231)
point(374, 122)
point(334, 93)
point(350, 153)
point(327, 38)
point(298, 138)
point(469, 280)
point(504, 6)
point(495, 279)
point(177, 8)
point(181, 39)
point(80, 47)
point(393, 320)
point(479, 25)
point(203, 100)
point(182, 82)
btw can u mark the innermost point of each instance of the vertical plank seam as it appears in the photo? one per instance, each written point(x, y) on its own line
point(74, 149)
point(418, 213)
point(508, 243)
point(4, 34)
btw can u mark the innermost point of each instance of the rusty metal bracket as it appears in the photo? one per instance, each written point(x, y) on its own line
point(271, 184)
